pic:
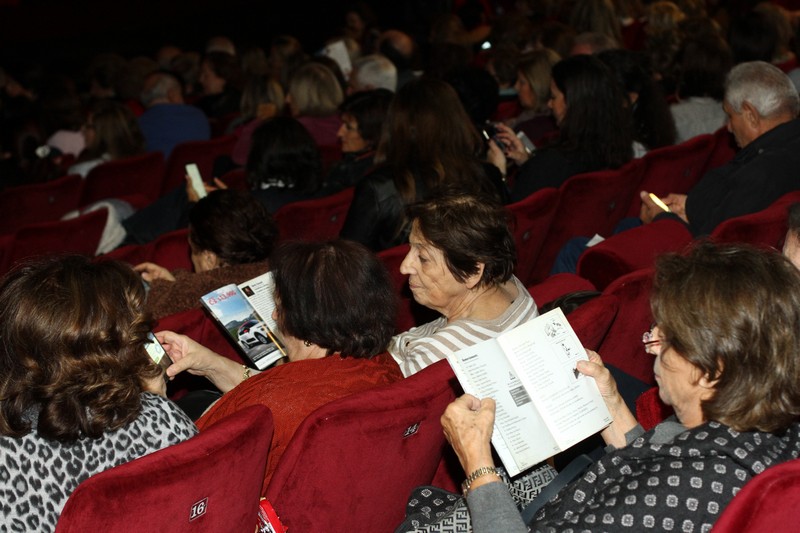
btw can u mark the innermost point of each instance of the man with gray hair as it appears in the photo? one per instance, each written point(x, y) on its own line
point(373, 71)
point(168, 121)
point(762, 106)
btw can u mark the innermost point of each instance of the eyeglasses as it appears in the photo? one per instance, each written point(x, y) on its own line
point(649, 340)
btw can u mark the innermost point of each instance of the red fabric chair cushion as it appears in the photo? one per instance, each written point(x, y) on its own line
point(558, 285)
point(769, 502)
point(650, 410)
point(352, 463)
point(532, 219)
point(631, 250)
point(317, 219)
point(219, 470)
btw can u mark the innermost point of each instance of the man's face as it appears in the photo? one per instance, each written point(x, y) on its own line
point(738, 126)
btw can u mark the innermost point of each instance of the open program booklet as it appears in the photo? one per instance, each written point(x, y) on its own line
point(544, 405)
point(245, 312)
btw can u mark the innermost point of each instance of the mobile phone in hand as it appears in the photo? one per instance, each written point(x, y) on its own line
point(196, 180)
point(660, 203)
point(157, 353)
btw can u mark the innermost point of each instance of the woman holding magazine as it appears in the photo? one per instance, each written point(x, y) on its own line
point(725, 344)
point(231, 236)
point(335, 309)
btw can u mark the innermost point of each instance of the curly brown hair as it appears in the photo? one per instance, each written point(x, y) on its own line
point(72, 358)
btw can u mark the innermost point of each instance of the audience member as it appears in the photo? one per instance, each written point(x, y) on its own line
point(362, 115)
point(460, 264)
point(335, 309)
point(373, 71)
point(262, 99)
point(703, 63)
point(762, 107)
point(313, 98)
point(715, 332)
point(231, 236)
point(220, 77)
point(653, 126)
point(791, 243)
point(168, 121)
point(596, 16)
point(110, 132)
point(78, 392)
point(534, 74)
point(590, 43)
point(428, 146)
point(400, 49)
point(595, 130)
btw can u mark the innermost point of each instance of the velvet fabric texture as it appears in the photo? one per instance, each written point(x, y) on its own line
point(557, 285)
point(352, 463)
point(766, 504)
point(170, 250)
point(316, 219)
point(622, 345)
point(650, 410)
point(294, 390)
point(79, 235)
point(24, 205)
point(588, 204)
point(208, 483)
point(135, 179)
point(767, 227)
point(631, 250)
point(532, 219)
point(673, 169)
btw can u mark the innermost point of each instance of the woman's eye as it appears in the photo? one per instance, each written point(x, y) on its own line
point(423, 259)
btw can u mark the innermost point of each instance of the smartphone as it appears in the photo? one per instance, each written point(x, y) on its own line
point(490, 132)
point(659, 203)
point(196, 180)
point(526, 142)
point(157, 353)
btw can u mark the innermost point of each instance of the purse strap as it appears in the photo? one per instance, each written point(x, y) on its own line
point(568, 474)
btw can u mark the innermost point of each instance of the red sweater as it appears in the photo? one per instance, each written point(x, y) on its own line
point(293, 390)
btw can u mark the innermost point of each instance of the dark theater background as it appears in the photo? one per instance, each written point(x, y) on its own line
point(67, 33)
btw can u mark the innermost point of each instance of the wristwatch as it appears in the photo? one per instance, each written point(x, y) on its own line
point(482, 471)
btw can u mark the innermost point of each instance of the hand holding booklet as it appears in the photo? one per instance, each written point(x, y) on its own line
point(544, 405)
point(245, 312)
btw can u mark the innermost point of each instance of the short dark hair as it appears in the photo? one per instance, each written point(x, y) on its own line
point(468, 230)
point(283, 152)
point(369, 108)
point(336, 294)
point(733, 311)
point(73, 334)
point(234, 225)
point(226, 66)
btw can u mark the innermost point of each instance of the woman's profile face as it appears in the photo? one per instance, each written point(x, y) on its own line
point(350, 136)
point(527, 98)
point(557, 103)
point(429, 279)
point(679, 381)
point(212, 84)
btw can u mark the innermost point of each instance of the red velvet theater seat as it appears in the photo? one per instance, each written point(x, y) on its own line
point(317, 219)
point(209, 483)
point(532, 219)
point(768, 503)
point(353, 462)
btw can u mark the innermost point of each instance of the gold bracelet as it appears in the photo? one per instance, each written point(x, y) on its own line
point(480, 472)
point(245, 372)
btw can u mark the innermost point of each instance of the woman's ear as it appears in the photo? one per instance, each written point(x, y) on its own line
point(473, 280)
point(209, 260)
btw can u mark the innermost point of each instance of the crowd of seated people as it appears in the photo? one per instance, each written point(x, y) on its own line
point(593, 89)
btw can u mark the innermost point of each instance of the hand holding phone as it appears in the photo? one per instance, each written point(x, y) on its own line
point(196, 180)
point(157, 353)
point(659, 203)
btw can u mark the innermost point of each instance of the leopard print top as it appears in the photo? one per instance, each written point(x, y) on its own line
point(38, 475)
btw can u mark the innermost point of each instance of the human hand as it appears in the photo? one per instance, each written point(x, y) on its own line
point(512, 145)
point(649, 209)
point(192, 195)
point(151, 272)
point(677, 205)
point(497, 158)
point(188, 355)
point(468, 423)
